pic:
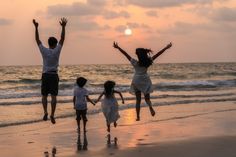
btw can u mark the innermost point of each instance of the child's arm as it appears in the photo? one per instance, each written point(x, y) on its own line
point(161, 51)
point(100, 96)
point(115, 45)
point(121, 96)
point(89, 100)
point(74, 101)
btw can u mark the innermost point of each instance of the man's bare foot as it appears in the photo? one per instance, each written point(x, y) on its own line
point(52, 120)
point(45, 117)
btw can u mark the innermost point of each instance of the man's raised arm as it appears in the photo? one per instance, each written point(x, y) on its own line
point(36, 24)
point(63, 23)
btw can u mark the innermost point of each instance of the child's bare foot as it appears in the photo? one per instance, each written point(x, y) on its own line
point(115, 124)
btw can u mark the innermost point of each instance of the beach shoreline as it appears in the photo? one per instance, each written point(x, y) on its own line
point(190, 130)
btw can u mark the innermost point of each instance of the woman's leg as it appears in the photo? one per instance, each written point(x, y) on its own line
point(138, 101)
point(148, 101)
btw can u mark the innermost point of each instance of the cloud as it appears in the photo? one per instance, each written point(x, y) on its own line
point(112, 14)
point(120, 28)
point(4, 22)
point(224, 15)
point(97, 2)
point(211, 28)
point(75, 9)
point(90, 25)
point(163, 3)
point(131, 25)
point(152, 13)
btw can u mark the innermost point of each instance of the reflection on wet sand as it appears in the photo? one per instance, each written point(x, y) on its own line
point(54, 152)
point(112, 143)
point(80, 145)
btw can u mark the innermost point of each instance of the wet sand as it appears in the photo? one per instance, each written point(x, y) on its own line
point(206, 129)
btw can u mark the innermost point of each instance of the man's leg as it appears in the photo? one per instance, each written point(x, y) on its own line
point(53, 106)
point(45, 104)
point(138, 102)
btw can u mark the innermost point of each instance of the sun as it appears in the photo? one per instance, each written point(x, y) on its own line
point(128, 31)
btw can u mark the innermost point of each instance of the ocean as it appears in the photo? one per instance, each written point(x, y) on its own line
point(173, 84)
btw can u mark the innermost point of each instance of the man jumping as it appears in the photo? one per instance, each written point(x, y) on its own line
point(50, 79)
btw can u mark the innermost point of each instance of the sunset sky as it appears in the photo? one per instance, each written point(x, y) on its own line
point(200, 30)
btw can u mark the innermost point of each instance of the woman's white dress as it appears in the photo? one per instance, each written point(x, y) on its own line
point(141, 80)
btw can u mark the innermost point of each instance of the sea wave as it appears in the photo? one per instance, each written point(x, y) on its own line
point(159, 97)
point(124, 107)
point(66, 89)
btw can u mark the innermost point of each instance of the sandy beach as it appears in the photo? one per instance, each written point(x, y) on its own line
point(204, 129)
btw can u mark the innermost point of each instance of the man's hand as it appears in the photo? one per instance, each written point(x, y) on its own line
point(63, 22)
point(36, 24)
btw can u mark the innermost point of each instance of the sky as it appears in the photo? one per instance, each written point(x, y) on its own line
point(200, 30)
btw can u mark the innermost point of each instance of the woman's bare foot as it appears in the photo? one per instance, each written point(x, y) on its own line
point(152, 111)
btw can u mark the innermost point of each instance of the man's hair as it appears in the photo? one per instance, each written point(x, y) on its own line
point(52, 41)
point(81, 81)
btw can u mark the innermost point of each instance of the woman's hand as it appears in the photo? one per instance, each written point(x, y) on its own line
point(115, 45)
point(169, 45)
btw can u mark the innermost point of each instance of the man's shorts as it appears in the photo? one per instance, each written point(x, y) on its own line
point(49, 84)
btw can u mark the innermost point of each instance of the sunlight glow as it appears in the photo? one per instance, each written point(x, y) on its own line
point(128, 31)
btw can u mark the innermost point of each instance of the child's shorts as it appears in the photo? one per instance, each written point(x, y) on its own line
point(81, 114)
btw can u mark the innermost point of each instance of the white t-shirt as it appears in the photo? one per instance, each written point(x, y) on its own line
point(50, 58)
point(80, 98)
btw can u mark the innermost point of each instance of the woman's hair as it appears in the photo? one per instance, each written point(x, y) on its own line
point(81, 81)
point(108, 88)
point(143, 56)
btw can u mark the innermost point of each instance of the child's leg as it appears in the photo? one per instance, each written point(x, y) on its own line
point(148, 101)
point(78, 124)
point(108, 127)
point(85, 122)
point(78, 118)
point(138, 101)
point(115, 124)
point(84, 119)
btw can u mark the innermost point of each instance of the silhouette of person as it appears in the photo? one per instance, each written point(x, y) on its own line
point(109, 104)
point(141, 82)
point(50, 79)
